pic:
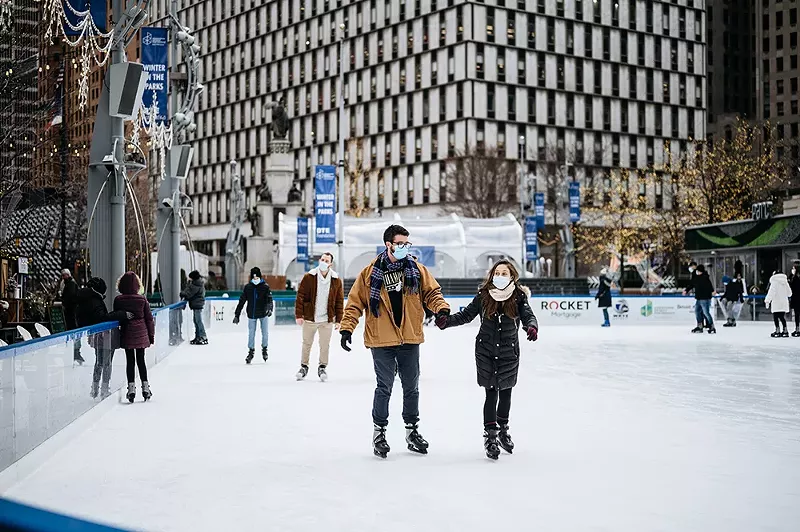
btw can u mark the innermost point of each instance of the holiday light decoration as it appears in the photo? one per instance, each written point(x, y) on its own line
point(5, 14)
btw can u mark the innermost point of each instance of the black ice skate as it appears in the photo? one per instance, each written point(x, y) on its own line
point(697, 330)
point(79, 359)
point(776, 334)
point(796, 333)
point(264, 354)
point(301, 374)
point(95, 390)
point(322, 374)
point(416, 443)
point(785, 333)
point(504, 439)
point(146, 393)
point(490, 442)
point(250, 355)
point(729, 323)
point(199, 341)
point(131, 392)
point(712, 330)
point(379, 444)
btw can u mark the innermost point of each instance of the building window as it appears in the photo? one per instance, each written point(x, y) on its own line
point(501, 65)
point(479, 70)
point(490, 107)
point(490, 24)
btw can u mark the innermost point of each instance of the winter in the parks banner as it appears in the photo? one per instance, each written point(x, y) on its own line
point(155, 60)
point(574, 202)
point(531, 238)
point(96, 7)
point(538, 208)
point(302, 240)
point(325, 204)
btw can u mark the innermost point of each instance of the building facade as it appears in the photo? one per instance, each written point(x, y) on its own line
point(602, 84)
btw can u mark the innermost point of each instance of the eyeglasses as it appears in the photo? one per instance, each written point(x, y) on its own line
point(402, 245)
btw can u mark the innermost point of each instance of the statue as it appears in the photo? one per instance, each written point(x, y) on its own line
point(294, 194)
point(280, 120)
point(264, 194)
point(255, 221)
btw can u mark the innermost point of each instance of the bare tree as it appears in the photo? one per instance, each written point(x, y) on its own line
point(484, 183)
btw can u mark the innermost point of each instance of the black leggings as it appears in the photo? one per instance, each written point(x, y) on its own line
point(779, 317)
point(135, 356)
point(494, 412)
point(796, 312)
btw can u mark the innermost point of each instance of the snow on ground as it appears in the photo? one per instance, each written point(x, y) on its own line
point(622, 429)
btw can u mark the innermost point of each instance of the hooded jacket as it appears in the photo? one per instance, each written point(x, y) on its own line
point(794, 283)
point(306, 301)
point(139, 332)
point(91, 306)
point(195, 294)
point(603, 296)
point(778, 295)
point(734, 291)
point(258, 299)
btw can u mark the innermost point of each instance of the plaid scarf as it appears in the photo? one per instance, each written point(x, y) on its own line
point(383, 265)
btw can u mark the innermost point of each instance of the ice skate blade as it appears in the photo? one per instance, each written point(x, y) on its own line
point(323, 378)
point(416, 450)
point(493, 457)
point(299, 377)
point(380, 454)
point(508, 450)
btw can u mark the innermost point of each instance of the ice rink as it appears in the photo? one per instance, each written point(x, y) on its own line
point(621, 429)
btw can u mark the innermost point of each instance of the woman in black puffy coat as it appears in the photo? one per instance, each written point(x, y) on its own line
point(502, 304)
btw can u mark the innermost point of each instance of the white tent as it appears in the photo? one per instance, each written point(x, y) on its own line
point(463, 247)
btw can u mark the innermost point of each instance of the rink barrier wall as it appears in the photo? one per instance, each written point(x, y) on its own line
point(44, 394)
point(20, 517)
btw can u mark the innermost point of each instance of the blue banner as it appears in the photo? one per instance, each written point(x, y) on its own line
point(97, 8)
point(302, 240)
point(531, 238)
point(155, 60)
point(574, 202)
point(325, 204)
point(425, 255)
point(538, 208)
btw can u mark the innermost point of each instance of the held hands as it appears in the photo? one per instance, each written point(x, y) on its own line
point(129, 315)
point(337, 326)
point(533, 334)
point(236, 320)
point(347, 338)
point(269, 313)
point(441, 318)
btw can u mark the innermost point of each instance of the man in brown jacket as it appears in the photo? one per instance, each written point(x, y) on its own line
point(393, 292)
point(318, 307)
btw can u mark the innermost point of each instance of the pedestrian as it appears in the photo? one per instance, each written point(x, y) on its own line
point(777, 301)
point(91, 310)
point(258, 298)
point(703, 292)
point(794, 284)
point(732, 298)
point(68, 292)
point(502, 304)
point(195, 296)
point(603, 296)
point(690, 286)
point(392, 291)
point(138, 333)
point(318, 308)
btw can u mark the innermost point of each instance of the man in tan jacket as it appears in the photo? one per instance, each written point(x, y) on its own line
point(393, 292)
point(318, 307)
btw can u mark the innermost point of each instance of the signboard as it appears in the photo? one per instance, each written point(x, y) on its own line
point(325, 204)
point(425, 255)
point(57, 322)
point(22, 265)
point(155, 62)
point(97, 9)
point(574, 202)
point(538, 208)
point(302, 240)
point(531, 238)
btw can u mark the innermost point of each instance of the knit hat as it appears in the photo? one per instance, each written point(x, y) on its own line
point(66, 272)
point(195, 275)
point(97, 284)
point(725, 279)
point(255, 272)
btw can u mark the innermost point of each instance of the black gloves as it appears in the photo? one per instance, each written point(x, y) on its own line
point(441, 318)
point(269, 313)
point(236, 320)
point(347, 338)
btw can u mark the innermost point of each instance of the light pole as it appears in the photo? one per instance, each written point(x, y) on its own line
point(340, 225)
point(522, 203)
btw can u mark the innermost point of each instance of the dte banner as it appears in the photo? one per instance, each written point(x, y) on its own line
point(325, 204)
point(302, 240)
point(531, 238)
point(155, 62)
point(538, 208)
point(574, 202)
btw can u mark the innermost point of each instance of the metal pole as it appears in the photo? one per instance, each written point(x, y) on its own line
point(522, 203)
point(117, 190)
point(175, 235)
point(64, 158)
point(342, 203)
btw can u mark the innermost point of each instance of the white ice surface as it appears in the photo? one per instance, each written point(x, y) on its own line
point(622, 429)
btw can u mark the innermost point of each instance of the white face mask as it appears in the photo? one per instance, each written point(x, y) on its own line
point(256, 280)
point(323, 266)
point(501, 282)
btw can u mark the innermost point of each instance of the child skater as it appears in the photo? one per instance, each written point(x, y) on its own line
point(777, 301)
point(138, 333)
point(502, 304)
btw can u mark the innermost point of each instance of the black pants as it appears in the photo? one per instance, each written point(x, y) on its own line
point(796, 312)
point(493, 411)
point(135, 356)
point(779, 317)
point(405, 360)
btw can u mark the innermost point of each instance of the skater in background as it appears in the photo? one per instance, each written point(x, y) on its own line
point(794, 303)
point(138, 333)
point(502, 304)
point(91, 310)
point(68, 293)
point(777, 301)
point(690, 287)
point(258, 298)
point(393, 292)
point(195, 296)
point(703, 293)
point(603, 296)
point(318, 308)
point(732, 298)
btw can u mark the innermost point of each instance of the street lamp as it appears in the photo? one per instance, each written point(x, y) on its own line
point(340, 225)
point(522, 202)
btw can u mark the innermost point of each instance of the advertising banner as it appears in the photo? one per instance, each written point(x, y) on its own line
point(531, 238)
point(325, 204)
point(155, 60)
point(574, 202)
point(424, 254)
point(302, 240)
point(538, 208)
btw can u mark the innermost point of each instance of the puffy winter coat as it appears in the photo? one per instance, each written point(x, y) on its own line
point(258, 299)
point(91, 309)
point(701, 285)
point(497, 343)
point(306, 301)
point(195, 294)
point(138, 332)
point(794, 283)
point(69, 300)
point(603, 296)
point(777, 299)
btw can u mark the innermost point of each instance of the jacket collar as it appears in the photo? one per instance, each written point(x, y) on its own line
point(315, 271)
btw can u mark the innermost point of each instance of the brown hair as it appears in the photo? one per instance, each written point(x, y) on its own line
point(492, 307)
